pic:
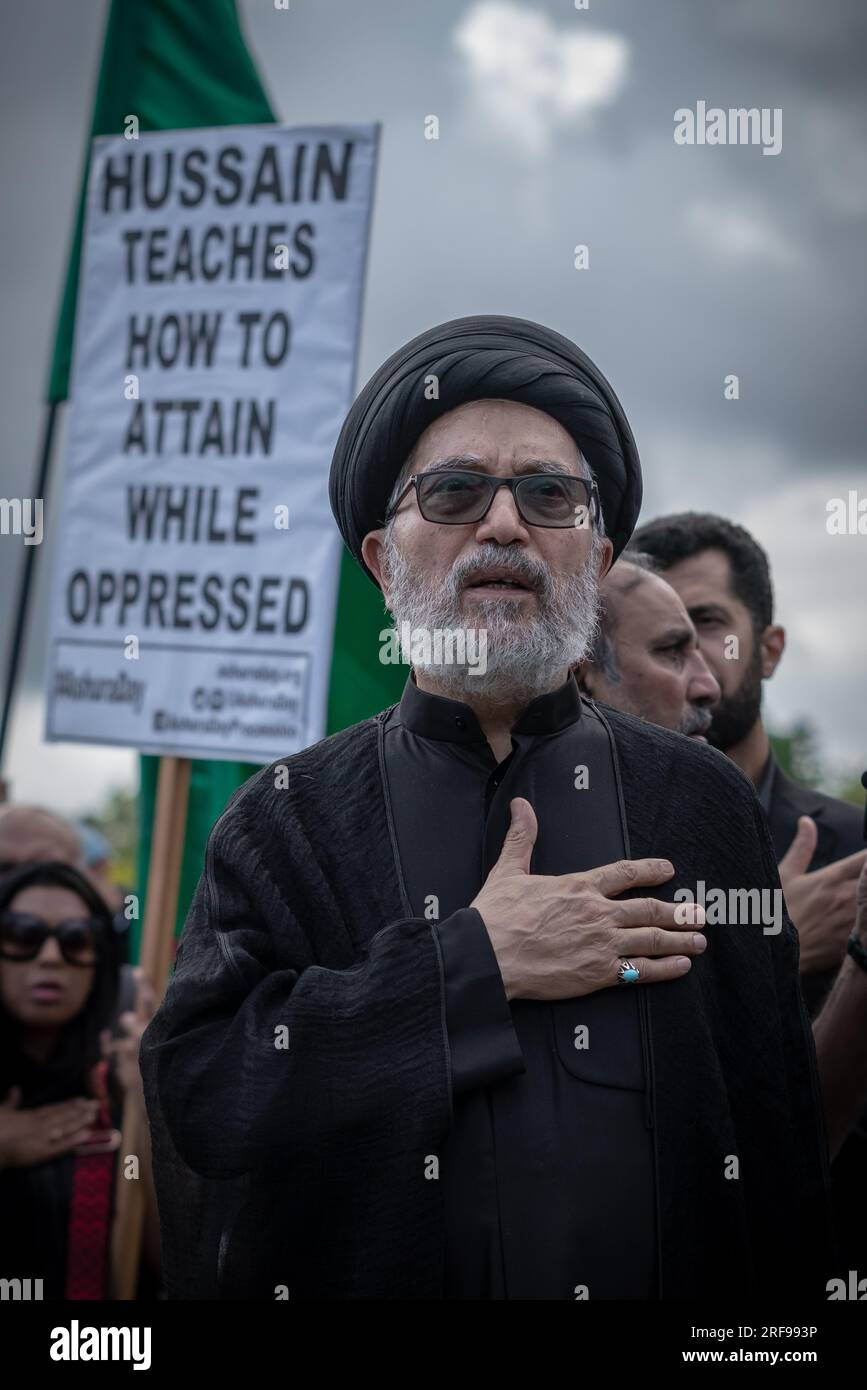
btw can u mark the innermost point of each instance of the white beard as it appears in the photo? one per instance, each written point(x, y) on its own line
point(527, 655)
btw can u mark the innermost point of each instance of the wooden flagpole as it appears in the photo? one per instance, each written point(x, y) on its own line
point(157, 942)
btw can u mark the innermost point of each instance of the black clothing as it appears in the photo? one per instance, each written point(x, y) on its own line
point(840, 833)
point(482, 357)
point(840, 825)
point(35, 1200)
point(547, 1174)
point(308, 1166)
point(765, 783)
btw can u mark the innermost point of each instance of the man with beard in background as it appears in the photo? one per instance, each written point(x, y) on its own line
point(723, 577)
point(645, 658)
point(438, 1028)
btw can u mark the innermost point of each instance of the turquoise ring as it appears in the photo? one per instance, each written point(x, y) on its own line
point(627, 973)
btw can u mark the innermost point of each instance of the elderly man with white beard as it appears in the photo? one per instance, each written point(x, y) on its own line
point(438, 1028)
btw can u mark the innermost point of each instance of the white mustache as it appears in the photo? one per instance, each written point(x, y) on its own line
point(697, 721)
point(469, 567)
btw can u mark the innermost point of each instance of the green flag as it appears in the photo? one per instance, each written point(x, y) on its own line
point(173, 64)
point(176, 64)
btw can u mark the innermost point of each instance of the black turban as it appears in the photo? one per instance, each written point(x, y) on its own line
point(484, 357)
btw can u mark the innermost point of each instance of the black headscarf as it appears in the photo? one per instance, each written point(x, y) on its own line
point(484, 357)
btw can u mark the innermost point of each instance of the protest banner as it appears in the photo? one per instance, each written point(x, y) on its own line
point(196, 581)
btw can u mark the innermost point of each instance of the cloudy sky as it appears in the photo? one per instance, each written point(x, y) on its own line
point(555, 130)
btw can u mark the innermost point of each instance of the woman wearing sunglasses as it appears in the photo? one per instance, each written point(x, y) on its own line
point(63, 1080)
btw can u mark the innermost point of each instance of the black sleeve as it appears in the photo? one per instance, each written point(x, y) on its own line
point(482, 1040)
point(810, 1169)
point(260, 1060)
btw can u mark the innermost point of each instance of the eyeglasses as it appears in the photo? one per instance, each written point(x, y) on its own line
point(22, 936)
point(453, 498)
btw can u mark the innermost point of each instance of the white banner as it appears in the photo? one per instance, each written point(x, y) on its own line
point(196, 576)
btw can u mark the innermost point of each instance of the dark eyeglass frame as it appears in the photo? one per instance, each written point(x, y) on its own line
point(494, 484)
point(62, 932)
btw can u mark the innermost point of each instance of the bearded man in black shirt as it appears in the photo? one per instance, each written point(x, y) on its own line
point(444, 1023)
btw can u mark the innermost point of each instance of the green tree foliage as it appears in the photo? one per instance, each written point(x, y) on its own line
point(117, 820)
point(799, 754)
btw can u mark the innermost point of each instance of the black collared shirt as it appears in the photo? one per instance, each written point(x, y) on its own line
point(548, 1169)
point(765, 785)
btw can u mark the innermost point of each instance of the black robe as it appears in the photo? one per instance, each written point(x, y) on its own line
point(304, 1169)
